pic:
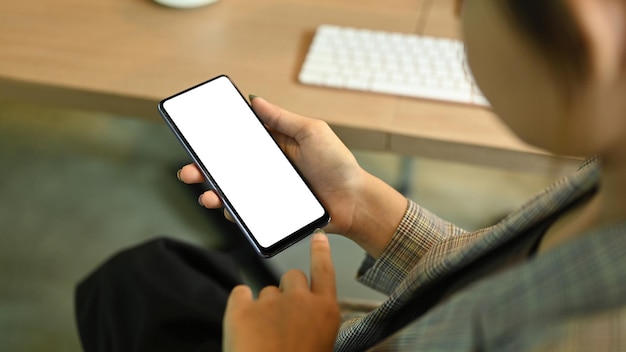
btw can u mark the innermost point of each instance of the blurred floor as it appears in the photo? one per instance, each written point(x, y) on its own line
point(76, 187)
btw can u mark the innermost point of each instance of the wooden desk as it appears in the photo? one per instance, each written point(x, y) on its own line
point(123, 56)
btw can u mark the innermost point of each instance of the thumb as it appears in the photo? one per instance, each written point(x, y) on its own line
point(277, 119)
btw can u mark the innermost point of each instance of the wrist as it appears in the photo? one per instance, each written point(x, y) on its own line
point(379, 208)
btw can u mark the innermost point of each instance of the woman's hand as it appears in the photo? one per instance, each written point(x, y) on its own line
point(361, 206)
point(326, 163)
point(294, 317)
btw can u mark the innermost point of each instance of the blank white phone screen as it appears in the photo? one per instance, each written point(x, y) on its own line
point(266, 192)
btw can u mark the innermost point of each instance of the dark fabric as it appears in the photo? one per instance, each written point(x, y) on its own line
point(163, 295)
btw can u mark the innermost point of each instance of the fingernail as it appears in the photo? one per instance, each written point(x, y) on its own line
point(319, 235)
point(251, 97)
point(178, 174)
point(200, 200)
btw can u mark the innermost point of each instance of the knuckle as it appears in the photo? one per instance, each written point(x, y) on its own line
point(318, 126)
point(294, 274)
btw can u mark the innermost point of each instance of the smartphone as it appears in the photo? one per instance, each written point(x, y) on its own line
point(268, 198)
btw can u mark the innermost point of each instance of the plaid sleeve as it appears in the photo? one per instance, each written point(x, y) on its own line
point(418, 231)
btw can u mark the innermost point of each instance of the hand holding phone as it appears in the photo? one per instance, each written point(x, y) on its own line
point(268, 198)
point(362, 207)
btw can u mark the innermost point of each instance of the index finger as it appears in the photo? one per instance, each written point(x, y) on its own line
point(322, 269)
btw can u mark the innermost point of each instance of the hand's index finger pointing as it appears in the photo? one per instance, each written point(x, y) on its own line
point(322, 269)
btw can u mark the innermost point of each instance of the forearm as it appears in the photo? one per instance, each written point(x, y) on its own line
point(378, 212)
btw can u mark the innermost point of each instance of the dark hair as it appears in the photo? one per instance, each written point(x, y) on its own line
point(552, 27)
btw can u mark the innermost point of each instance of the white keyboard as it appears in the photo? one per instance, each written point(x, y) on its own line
point(390, 63)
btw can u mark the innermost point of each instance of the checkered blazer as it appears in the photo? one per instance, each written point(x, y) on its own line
point(570, 298)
